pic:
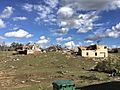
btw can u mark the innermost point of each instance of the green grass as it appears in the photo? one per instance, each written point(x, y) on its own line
point(32, 72)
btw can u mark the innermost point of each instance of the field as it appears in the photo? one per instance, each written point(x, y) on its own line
point(37, 72)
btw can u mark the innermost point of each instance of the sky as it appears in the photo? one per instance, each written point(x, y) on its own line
point(68, 23)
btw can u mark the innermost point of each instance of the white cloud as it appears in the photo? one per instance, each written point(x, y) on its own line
point(114, 46)
point(2, 24)
point(51, 3)
point(19, 18)
point(95, 37)
point(29, 36)
point(64, 30)
point(61, 31)
point(92, 5)
point(28, 7)
point(114, 32)
point(63, 24)
point(67, 39)
point(69, 17)
point(8, 44)
point(15, 27)
point(69, 44)
point(7, 12)
point(1, 37)
point(83, 23)
point(65, 12)
point(42, 37)
point(82, 30)
point(115, 4)
point(18, 34)
point(88, 41)
point(60, 39)
point(43, 41)
point(44, 12)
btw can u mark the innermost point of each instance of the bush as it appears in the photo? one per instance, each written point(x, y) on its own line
point(108, 66)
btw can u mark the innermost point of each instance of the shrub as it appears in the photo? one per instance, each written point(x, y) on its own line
point(108, 66)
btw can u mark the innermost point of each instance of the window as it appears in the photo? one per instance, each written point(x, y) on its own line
point(105, 47)
point(87, 53)
point(95, 54)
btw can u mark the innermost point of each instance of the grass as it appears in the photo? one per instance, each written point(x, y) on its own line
point(32, 72)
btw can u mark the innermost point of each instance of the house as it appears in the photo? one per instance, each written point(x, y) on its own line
point(29, 49)
point(93, 51)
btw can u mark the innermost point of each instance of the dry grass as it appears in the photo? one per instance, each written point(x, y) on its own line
point(31, 72)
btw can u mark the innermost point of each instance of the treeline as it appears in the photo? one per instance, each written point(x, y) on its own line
point(12, 47)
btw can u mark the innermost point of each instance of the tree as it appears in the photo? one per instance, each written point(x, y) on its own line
point(15, 45)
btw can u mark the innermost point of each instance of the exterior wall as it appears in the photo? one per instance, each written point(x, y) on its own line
point(34, 49)
point(94, 53)
point(30, 51)
point(101, 47)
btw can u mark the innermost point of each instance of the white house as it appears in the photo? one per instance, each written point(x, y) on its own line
point(93, 51)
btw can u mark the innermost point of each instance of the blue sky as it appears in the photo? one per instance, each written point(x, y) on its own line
point(65, 22)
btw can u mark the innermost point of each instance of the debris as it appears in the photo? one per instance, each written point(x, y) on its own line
point(32, 80)
point(22, 82)
point(12, 66)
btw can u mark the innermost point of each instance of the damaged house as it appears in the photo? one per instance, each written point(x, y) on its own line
point(28, 49)
point(93, 51)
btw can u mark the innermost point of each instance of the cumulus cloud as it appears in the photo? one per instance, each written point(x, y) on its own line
point(51, 3)
point(29, 36)
point(28, 7)
point(114, 32)
point(69, 44)
point(8, 44)
point(81, 23)
point(7, 12)
point(2, 24)
point(65, 12)
point(114, 4)
point(44, 11)
point(63, 24)
point(69, 16)
point(18, 34)
point(114, 46)
point(1, 37)
point(42, 37)
point(92, 5)
point(88, 41)
point(61, 31)
point(43, 40)
point(19, 18)
point(15, 27)
point(60, 39)
point(95, 37)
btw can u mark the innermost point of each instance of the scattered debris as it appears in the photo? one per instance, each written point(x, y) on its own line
point(22, 82)
point(13, 67)
point(32, 80)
